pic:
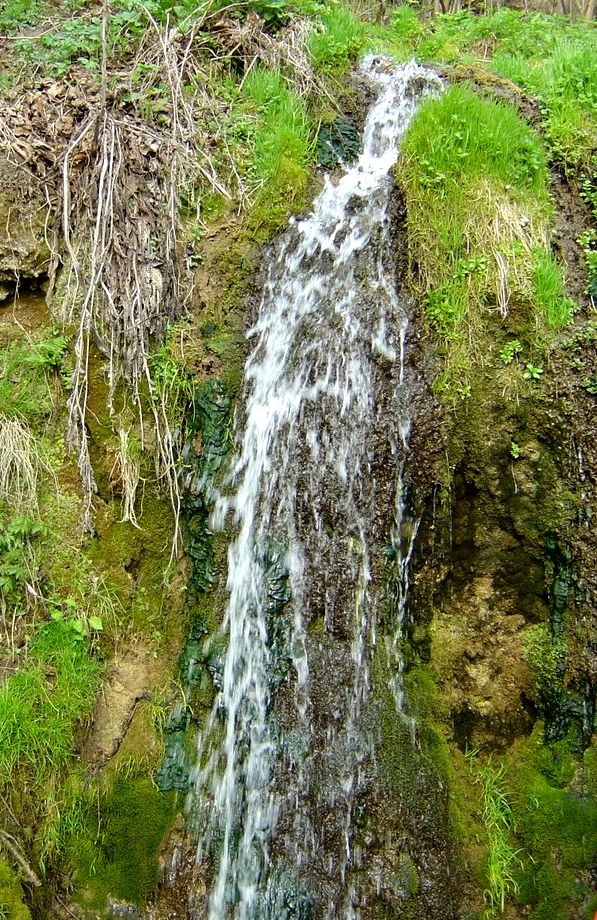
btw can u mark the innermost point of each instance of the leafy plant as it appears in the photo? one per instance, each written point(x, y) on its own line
point(515, 451)
point(15, 14)
point(510, 351)
point(532, 372)
point(337, 142)
point(16, 560)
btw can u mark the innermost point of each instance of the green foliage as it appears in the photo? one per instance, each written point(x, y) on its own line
point(16, 561)
point(550, 296)
point(337, 142)
point(42, 703)
point(16, 14)
point(588, 242)
point(515, 450)
point(26, 369)
point(471, 137)
point(502, 859)
point(339, 42)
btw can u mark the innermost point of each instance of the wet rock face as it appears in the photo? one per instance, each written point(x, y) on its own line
point(24, 251)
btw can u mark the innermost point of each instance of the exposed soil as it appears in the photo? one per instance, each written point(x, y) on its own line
point(131, 676)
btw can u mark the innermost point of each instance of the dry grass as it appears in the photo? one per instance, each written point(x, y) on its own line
point(109, 155)
point(19, 466)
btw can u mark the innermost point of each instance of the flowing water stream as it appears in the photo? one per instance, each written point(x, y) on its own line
point(317, 495)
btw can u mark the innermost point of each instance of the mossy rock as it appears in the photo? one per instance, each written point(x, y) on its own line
point(556, 826)
point(119, 858)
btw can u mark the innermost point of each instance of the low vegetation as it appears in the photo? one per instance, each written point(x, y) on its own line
point(476, 183)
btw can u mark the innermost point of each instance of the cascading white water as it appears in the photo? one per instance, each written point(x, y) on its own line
point(325, 436)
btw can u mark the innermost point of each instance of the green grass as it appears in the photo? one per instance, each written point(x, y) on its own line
point(550, 292)
point(478, 205)
point(280, 142)
point(42, 704)
point(339, 41)
point(502, 859)
point(549, 56)
point(27, 370)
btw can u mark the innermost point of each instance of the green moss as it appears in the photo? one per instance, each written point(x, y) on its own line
point(556, 826)
point(121, 859)
point(11, 895)
point(135, 560)
point(411, 770)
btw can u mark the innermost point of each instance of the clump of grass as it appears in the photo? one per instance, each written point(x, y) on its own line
point(281, 142)
point(476, 183)
point(26, 371)
point(42, 703)
point(502, 859)
point(339, 42)
point(549, 56)
point(550, 294)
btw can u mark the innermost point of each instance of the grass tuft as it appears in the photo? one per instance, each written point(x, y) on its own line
point(478, 205)
point(550, 294)
point(281, 144)
point(42, 703)
point(502, 859)
point(339, 42)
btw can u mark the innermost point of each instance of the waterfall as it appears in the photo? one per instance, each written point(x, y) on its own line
point(316, 495)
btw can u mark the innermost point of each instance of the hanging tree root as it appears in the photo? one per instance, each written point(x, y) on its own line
point(129, 283)
point(95, 153)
